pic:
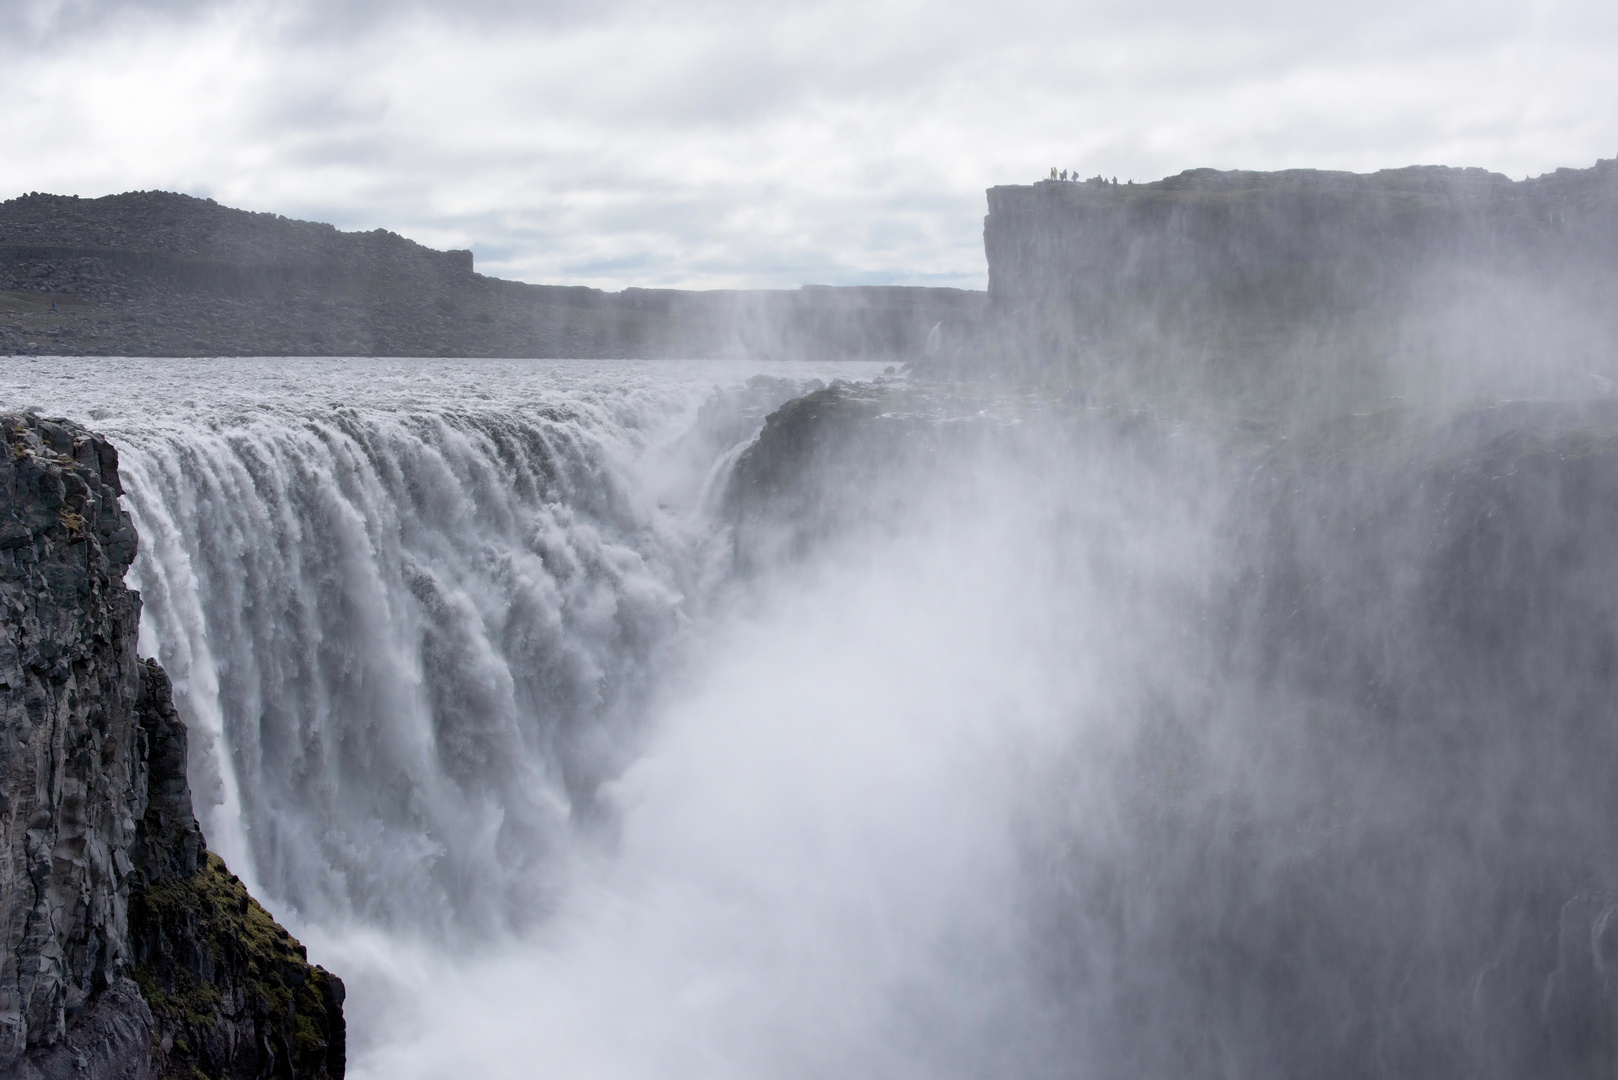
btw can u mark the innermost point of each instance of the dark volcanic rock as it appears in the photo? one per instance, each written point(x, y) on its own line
point(853, 457)
point(128, 952)
point(231, 993)
point(168, 842)
point(1406, 869)
point(110, 1040)
point(71, 773)
point(837, 460)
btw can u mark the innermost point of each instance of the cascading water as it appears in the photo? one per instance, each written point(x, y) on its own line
point(1023, 738)
point(481, 709)
point(413, 612)
point(426, 631)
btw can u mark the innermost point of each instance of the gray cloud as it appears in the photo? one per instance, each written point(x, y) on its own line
point(61, 22)
point(728, 143)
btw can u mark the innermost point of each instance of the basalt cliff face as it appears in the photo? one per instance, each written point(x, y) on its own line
point(160, 274)
point(128, 950)
point(1266, 288)
point(1355, 812)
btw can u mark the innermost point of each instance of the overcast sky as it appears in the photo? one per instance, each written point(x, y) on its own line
point(738, 143)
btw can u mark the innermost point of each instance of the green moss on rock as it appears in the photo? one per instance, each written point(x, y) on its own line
point(232, 994)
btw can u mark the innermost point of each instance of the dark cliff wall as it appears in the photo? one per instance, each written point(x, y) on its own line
point(1361, 824)
point(154, 273)
point(1407, 869)
point(128, 951)
point(1270, 284)
point(70, 761)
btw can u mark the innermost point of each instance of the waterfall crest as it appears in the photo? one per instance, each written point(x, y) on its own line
point(412, 640)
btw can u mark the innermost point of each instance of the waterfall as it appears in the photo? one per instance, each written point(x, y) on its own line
point(416, 638)
point(413, 640)
point(943, 738)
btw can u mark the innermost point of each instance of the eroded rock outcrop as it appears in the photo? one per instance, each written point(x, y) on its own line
point(129, 951)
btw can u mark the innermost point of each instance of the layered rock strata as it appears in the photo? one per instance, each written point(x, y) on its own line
point(128, 950)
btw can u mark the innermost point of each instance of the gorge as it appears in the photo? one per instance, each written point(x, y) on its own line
point(1199, 664)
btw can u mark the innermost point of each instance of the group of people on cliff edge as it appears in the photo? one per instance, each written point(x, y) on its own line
point(1098, 180)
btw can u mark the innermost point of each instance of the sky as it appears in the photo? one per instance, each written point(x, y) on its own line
point(727, 143)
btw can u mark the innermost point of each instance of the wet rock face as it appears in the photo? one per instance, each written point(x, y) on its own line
point(230, 992)
point(168, 841)
point(110, 1040)
point(1389, 853)
point(130, 952)
point(821, 466)
point(72, 783)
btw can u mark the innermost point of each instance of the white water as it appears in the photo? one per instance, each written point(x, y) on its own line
point(478, 709)
point(1068, 746)
point(412, 609)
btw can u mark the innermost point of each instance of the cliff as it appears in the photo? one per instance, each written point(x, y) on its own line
point(1352, 813)
point(128, 950)
point(1261, 288)
point(1256, 290)
point(160, 274)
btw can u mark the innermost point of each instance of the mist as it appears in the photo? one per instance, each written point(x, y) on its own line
point(687, 719)
point(1164, 629)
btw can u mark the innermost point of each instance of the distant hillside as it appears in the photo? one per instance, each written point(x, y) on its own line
point(1244, 290)
point(160, 274)
point(1257, 287)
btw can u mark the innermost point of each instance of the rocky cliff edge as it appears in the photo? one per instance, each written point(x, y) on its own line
point(127, 950)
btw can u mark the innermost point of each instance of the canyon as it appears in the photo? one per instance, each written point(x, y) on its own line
point(1197, 661)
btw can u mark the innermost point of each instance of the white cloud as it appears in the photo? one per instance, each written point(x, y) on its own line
point(723, 143)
